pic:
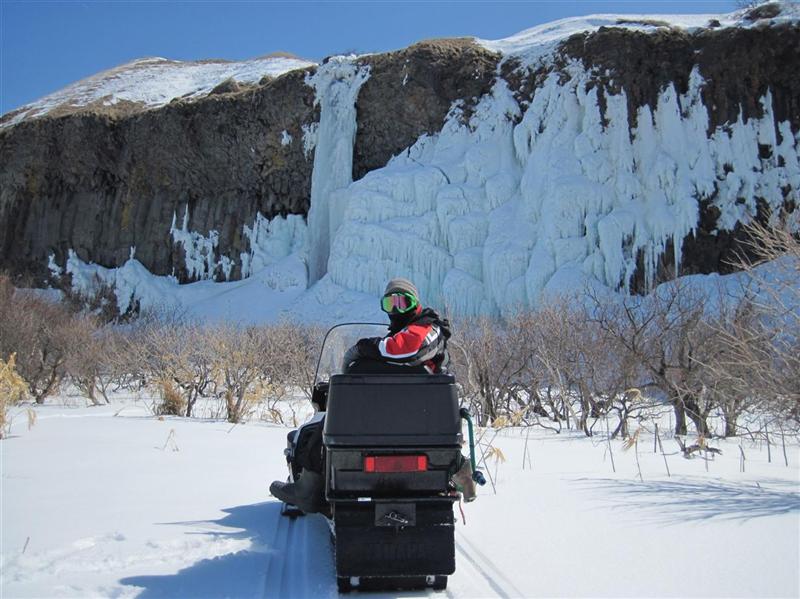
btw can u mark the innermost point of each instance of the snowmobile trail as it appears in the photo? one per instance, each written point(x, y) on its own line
point(276, 578)
point(299, 562)
point(476, 565)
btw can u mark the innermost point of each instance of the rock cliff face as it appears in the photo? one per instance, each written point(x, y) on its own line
point(101, 181)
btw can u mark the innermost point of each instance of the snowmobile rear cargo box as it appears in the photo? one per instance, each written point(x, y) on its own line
point(399, 410)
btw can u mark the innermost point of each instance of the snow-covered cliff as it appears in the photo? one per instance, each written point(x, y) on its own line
point(620, 150)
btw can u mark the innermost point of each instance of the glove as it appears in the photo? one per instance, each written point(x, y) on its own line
point(350, 356)
point(368, 348)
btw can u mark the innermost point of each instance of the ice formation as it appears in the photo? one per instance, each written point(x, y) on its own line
point(337, 83)
point(309, 138)
point(274, 266)
point(199, 250)
point(133, 284)
point(273, 240)
point(489, 216)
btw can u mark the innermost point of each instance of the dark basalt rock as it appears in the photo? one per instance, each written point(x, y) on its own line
point(410, 92)
point(738, 66)
point(101, 180)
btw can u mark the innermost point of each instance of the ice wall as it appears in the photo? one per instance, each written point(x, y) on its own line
point(272, 240)
point(337, 83)
point(521, 201)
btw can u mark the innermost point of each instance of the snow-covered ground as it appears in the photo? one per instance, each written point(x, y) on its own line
point(113, 502)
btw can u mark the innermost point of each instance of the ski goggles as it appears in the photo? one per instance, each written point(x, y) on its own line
point(399, 303)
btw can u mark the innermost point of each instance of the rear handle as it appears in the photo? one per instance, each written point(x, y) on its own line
point(477, 475)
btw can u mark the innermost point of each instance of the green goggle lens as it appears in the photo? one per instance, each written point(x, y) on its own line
point(398, 303)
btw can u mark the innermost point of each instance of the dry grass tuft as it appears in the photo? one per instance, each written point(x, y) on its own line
point(172, 402)
point(13, 390)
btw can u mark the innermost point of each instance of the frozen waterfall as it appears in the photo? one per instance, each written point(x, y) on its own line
point(337, 83)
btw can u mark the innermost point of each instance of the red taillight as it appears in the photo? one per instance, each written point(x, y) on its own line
point(396, 463)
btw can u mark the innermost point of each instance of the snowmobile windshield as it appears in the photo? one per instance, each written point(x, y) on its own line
point(338, 340)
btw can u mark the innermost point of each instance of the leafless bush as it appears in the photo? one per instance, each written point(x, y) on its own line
point(41, 333)
point(168, 347)
point(490, 356)
point(668, 334)
point(761, 344)
point(554, 363)
point(579, 361)
point(99, 363)
point(240, 354)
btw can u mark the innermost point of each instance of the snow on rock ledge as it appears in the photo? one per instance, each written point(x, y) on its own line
point(153, 82)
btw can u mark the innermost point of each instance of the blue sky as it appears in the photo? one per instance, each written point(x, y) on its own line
point(46, 45)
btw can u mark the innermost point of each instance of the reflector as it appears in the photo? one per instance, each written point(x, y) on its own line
point(396, 463)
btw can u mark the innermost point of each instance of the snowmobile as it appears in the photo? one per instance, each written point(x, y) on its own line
point(392, 440)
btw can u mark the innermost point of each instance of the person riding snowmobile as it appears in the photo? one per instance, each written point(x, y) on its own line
point(417, 340)
point(417, 336)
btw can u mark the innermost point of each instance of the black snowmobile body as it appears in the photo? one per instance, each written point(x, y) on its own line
point(392, 442)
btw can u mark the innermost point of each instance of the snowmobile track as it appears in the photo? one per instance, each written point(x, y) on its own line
point(278, 579)
point(485, 568)
point(299, 560)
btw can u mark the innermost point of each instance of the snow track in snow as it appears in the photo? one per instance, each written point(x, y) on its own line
point(479, 569)
point(300, 562)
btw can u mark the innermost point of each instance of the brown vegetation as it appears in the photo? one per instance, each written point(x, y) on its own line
point(601, 363)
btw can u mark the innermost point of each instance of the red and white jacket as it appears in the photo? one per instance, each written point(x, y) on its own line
point(422, 342)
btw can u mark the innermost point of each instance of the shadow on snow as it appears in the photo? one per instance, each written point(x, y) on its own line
point(688, 500)
point(285, 558)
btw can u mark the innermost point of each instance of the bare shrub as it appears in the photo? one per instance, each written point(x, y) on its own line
point(90, 362)
point(761, 343)
point(239, 354)
point(667, 333)
point(42, 333)
point(491, 355)
point(580, 360)
point(167, 347)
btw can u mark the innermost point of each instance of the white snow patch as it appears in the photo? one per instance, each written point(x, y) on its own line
point(198, 521)
point(155, 82)
point(132, 282)
point(286, 139)
point(537, 43)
